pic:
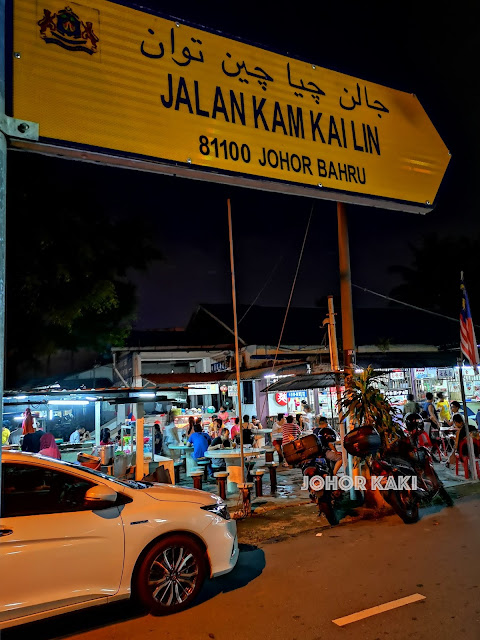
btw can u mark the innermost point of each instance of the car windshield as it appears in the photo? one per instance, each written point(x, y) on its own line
point(131, 484)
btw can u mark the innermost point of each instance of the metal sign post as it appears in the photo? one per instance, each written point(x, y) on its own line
point(9, 129)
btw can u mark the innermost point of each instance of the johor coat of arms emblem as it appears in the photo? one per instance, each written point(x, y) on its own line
point(67, 30)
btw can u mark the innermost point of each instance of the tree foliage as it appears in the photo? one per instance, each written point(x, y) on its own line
point(68, 262)
point(364, 403)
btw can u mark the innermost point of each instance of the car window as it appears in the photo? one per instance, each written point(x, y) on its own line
point(29, 489)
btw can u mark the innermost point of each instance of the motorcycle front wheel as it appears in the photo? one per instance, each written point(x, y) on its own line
point(405, 505)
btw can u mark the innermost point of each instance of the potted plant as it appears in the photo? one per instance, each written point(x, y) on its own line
point(364, 404)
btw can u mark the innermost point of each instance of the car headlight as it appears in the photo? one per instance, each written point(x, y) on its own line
point(219, 509)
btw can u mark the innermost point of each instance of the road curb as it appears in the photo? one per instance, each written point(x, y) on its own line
point(277, 522)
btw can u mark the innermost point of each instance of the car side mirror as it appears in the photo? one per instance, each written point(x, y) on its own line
point(100, 497)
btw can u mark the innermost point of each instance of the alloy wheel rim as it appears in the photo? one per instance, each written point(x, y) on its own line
point(173, 576)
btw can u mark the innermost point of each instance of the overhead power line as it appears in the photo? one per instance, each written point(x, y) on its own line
point(406, 304)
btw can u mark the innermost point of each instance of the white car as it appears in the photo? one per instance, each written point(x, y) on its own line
point(72, 538)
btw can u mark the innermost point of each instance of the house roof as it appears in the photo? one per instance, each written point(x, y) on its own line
point(212, 325)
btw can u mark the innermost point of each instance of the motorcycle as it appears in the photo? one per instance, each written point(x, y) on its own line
point(309, 453)
point(405, 459)
point(324, 498)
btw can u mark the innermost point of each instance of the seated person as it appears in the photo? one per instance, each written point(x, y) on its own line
point(235, 429)
point(220, 442)
point(327, 437)
point(105, 436)
point(199, 442)
point(31, 441)
point(248, 437)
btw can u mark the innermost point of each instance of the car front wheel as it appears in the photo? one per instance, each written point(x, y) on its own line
point(170, 575)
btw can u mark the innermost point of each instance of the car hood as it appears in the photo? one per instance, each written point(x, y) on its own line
point(168, 492)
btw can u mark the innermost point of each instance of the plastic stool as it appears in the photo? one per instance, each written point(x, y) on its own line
point(258, 482)
point(197, 478)
point(272, 469)
point(204, 464)
point(249, 464)
point(269, 454)
point(221, 477)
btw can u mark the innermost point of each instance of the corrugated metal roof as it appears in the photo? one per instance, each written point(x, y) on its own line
point(299, 383)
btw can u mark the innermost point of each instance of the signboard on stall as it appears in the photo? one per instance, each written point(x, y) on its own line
point(202, 389)
point(232, 390)
point(296, 394)
point(447, 373)
point(423, 374)
point(189, 101)
point(397, 374)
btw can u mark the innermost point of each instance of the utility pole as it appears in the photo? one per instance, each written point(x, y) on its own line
point(348, 335)
point(332, 342)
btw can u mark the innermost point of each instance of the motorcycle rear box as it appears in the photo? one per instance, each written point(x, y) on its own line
point(362, 441)
point(302, 449)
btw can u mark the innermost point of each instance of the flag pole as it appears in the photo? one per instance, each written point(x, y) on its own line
point(235, 326)
point(471, 453)
point(473, 358)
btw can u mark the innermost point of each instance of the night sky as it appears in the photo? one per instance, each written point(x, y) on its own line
point(426, 48)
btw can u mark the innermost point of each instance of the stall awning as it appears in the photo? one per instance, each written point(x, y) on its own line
point(299, 383)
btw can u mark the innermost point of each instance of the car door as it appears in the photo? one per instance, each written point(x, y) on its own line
point(54, 549)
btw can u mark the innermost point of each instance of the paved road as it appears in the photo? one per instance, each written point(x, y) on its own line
point(292, 590)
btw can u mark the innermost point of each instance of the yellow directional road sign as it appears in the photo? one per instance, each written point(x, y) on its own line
point(114, 79)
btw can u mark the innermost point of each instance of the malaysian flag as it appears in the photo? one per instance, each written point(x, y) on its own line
point(468, 341)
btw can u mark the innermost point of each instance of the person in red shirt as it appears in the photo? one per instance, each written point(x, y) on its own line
point(223, 415)
point(290, 430)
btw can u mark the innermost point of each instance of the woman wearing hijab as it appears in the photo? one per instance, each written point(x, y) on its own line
point(48, 446)
point(27, 424)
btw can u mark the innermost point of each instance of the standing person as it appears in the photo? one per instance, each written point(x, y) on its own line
point(432, 417)
point(5, 435)
point(443, 408)
point(410, 406)
point(157, 438)
point(290, 430)
point(170, 437)
point(48, 447)
point(308, 418)
point(277, 437)
point(27, 424)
